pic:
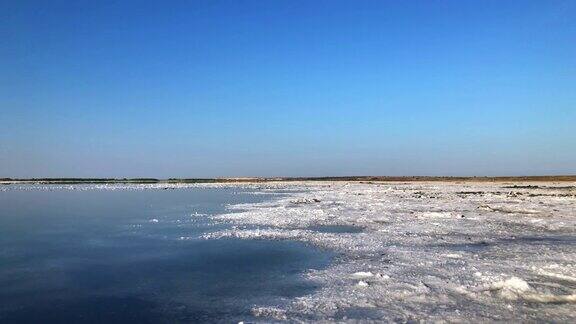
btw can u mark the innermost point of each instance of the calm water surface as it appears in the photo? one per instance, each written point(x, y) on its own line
point(102, 256)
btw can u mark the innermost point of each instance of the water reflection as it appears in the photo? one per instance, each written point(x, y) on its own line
point(96, 256)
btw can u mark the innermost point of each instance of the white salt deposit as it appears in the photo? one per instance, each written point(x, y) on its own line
point(362, 283)
point(433, 252)
point(511, 288)
point(362, 274)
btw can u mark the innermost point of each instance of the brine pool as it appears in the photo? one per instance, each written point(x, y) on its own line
point(136, 256)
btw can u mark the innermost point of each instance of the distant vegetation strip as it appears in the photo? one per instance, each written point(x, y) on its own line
point(235, 180)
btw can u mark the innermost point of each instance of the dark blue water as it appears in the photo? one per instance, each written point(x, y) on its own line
point(99, 256)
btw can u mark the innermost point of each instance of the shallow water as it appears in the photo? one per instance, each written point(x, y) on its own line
point(136, 256)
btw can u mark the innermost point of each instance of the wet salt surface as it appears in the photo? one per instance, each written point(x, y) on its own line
point(93, 254)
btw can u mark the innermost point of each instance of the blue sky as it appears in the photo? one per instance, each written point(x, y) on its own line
point(287, 88)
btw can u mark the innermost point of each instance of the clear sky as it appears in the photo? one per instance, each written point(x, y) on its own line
point(287, 88)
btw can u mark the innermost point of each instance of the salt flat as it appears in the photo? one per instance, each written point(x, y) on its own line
point(424, 251)
point(430, 251)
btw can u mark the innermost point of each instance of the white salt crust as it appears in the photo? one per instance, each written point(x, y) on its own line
point(427, 251)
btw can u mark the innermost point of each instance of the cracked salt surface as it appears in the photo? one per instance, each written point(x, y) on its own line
point(426, 251)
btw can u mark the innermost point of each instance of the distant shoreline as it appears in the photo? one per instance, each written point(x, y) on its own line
point(561, 178)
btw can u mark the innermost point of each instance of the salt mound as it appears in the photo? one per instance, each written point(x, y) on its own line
point(512, 288)
point(362, 274)
point(362, 283)
point(435, 215)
